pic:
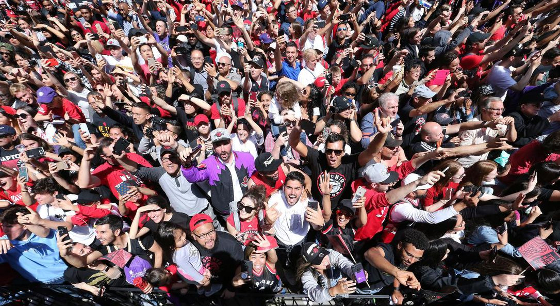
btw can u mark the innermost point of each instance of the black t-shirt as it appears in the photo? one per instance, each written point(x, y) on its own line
point(187, 122)
point(412, 126)
point(378, 278)
point(340, 177)
point(223, 259)
point(138, 247)
point(178, 218)
point(101, 125)
point(332, 233)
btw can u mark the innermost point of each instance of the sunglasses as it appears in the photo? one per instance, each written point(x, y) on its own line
point(343, 213)
point(248, 209)
point(341, 29)
point(22, 116)
point(73, 79)
point(336, 152)
point(5, 53)
point(222, 64)
point(350, 94)
point(290, 123)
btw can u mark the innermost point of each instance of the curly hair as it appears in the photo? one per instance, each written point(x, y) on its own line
point(288, 94)
point(414, 237)
point(46, 186)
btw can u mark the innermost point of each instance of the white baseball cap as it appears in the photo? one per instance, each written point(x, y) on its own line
point(378, 173)
point(414, 177)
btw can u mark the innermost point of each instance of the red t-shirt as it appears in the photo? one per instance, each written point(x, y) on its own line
point(250, 227)
point(15, 197)
point(524, 158)
point(215, 112)
point(377, 207)
point(434, 194)
point(471, 61)
point(113, 175)
point(269, 190)
point(73, 111)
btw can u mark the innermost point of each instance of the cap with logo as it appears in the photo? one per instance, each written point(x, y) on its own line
point(45, 95)
point(113, 43)
point(219, 135)
point(200, 118)
point(199, 220)
point(265, 38)
point(265, 162)
point(414, 177)
point(322, 4)
point(424, 92)
point(378, 173)
point(443, 118)
point(6, 130)
point(258, 61)
point(223, 86)
point(392, 142)
point(342, 103)
point(313, 254)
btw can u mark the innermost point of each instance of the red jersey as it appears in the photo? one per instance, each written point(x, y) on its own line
point(73, 111)
point(269, 190)
point(114, 175)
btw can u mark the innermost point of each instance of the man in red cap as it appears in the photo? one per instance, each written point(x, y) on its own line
point(219, 251)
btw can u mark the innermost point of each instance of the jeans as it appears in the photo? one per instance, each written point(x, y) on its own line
point(485, 234)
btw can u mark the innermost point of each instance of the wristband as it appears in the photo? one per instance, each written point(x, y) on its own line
point(396, 289)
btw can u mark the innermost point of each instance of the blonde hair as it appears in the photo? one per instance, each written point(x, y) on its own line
point(288, 94)
point(309, 54)
point(17, 87)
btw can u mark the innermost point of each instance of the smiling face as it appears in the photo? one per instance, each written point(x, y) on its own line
point(343, 216)
point(156, 215)
point(170, 164)
point(81, 249)
point(243, 132)
point(259, 260)
point(8, 183)
point(105, 235)
point(325, 263)
point(292, 191)
point(244, 205)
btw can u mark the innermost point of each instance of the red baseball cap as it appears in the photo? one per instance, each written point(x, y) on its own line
point(200, 118)
point(199, 220)
point(320, 82)
point(8, 110)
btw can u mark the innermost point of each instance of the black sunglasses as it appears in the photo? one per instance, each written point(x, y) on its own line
point(22, 116)
point(72, 79)
point(331, 151)
point(248, 209)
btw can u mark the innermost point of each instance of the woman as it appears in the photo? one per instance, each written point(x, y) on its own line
point(482, 174)
point(37, 167)
point(248, 137)
point(149, 217)
point(324, 273)
point(8, 117)
point(250, 213)
point(439, 194)
point(310, 102)
point(77, 93)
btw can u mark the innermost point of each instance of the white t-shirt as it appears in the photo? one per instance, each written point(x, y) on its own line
point(80, 99)
point(308, 76)
point(83, 234)
point(250, 146)
point(291, 226)
point(237, 192)
point(125, 63)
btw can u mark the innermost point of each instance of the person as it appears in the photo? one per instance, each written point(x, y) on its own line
point(30, 248)
point(247, 222)
point(224, 170)
point(149, 217)
point(324, 274)
point(271, 173)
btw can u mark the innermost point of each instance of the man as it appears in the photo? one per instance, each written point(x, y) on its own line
point(427, 55)
point(184, 197)
point(32, 249)
point(114, 172)
point(491, 109)
point(9, 155)
point(224, 73)
point(200, 75)
point(345, 111)
point(388, 108)
point(290, 17)
point(99, 120)
point(91, 25)
point(139, 121)
point(125, 17)
point(110, 234)
point(290, 67)
point(528, 124)
point(54, 106)
point(219, 251)
point(116, 59)
point(227, 107)
point(255, 79)
point(23, 94)
point(227, 172)
point(271, 173)
point(340, 168)
point(386, 264)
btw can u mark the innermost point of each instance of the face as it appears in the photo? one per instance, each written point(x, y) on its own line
point(341, 31)
point(197, 59)
point(259, 260)
point(170, 164)
point(247, 208)
point(453, 65)
point(21, 61)
point(180, 238)
point(123, 8)
point(417, 38)
point(140, 116)
point(409, 253)
point(493, 111)
point(434, 135)
point(224, 65)
point(156, 215)
point(13, 231)
point(334, 152)
point(389, 152)
point(292, 13)
point(291, 54)
point(491, 176)
point(4, 120)
point(459, 175)
point(204, 128)
point(29, 144)
point(311, 62)
point(255, 71)
point(5, 54)
point(531, 109)
point(223, 150)
point(292, 191)
point(391, 108)
point(6, 140)
point(243, 132)
point(81, 249)
point(413, 74)
point(430, 57)
point(343, 216)
point(71, 81)
point(116, 133)
point(23, 24)
point(225, 98)
point(266, 100)
point(45, 199)
point(205, 235)
point(116, 52)
point(86, 14)
point(367, 63)
point(160, 28)
point(324, 264)
point(104, 234)
point(6, 183)
point(350, 93)
point(76, 36)
point(146, 52)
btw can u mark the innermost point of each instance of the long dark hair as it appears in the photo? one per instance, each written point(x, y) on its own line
point(165, 237)
point(434, 254)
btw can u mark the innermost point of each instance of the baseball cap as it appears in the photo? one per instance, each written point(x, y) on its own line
point(265, 162)
point(200, 118)
point(7, 130)
point(265, 38)
point(477, 37)
point(320, 82)
point(7, 46)
point(313, 254)
point(45, 95)
point(259, 61)
point(7, 110)
point(392, 142)
point(223, 86)
point(198, 220)
point(342, 103)
point(219, 135)
point(443, 119)
point(378, 173)
point(424, 92)
point(414, 177)
point(113, 43)
point(136, 32)
point(182, 38)
point(170, 152)
point(347, 204)
point(322, 3)
point(88, 196)
point(238, 4)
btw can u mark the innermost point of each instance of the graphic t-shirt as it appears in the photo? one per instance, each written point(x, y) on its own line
point(340, 177)
point(223, 259)
point(9, 158)
point(115, 175)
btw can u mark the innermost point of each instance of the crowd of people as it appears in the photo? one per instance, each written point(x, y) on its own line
point(230, 150)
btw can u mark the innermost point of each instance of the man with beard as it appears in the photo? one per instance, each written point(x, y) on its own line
point(227, 172)
point(9, 155)
point(271, 173)
point(220, 253)
point(185, 197)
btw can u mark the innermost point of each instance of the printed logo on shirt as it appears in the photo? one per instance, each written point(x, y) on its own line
point(212, 264)
point(337, 180)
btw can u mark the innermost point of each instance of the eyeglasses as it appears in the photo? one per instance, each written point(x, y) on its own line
point(22, 116)
point(5, 53)
point(248, 209)
point(289, 123)
point(495, 109)
point(341, 29)
point(350, 94)
point(336, 152)
point(72, 79)
point(205, 235)
point(343, 213)
point(459, 177)
point(392, 148)
point(223, 64)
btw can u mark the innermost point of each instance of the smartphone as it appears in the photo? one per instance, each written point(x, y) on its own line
point(548, 224)
point(120, 146)
point(360, 193)
point(82, 20)
point(84, 128)
point(208, 60)
point(151, 62)
point(502, 228)
point(180, 29)
point(359, 273)
point(240, 45)
point(62, 230)
point(116, 25)
point(493, 255)
point(439, 78)
point(308, 127)
point(344, 17)
point(313, 204)
point(247, 269)
point(23, 173)
point(142, 40)
point(282, 129)
point(94, 36)
point(253, 96)
point(320, 24)
point(35, 153)
point(98, 57)
point(326, 133)
point(196, 150)
point(62, 166)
